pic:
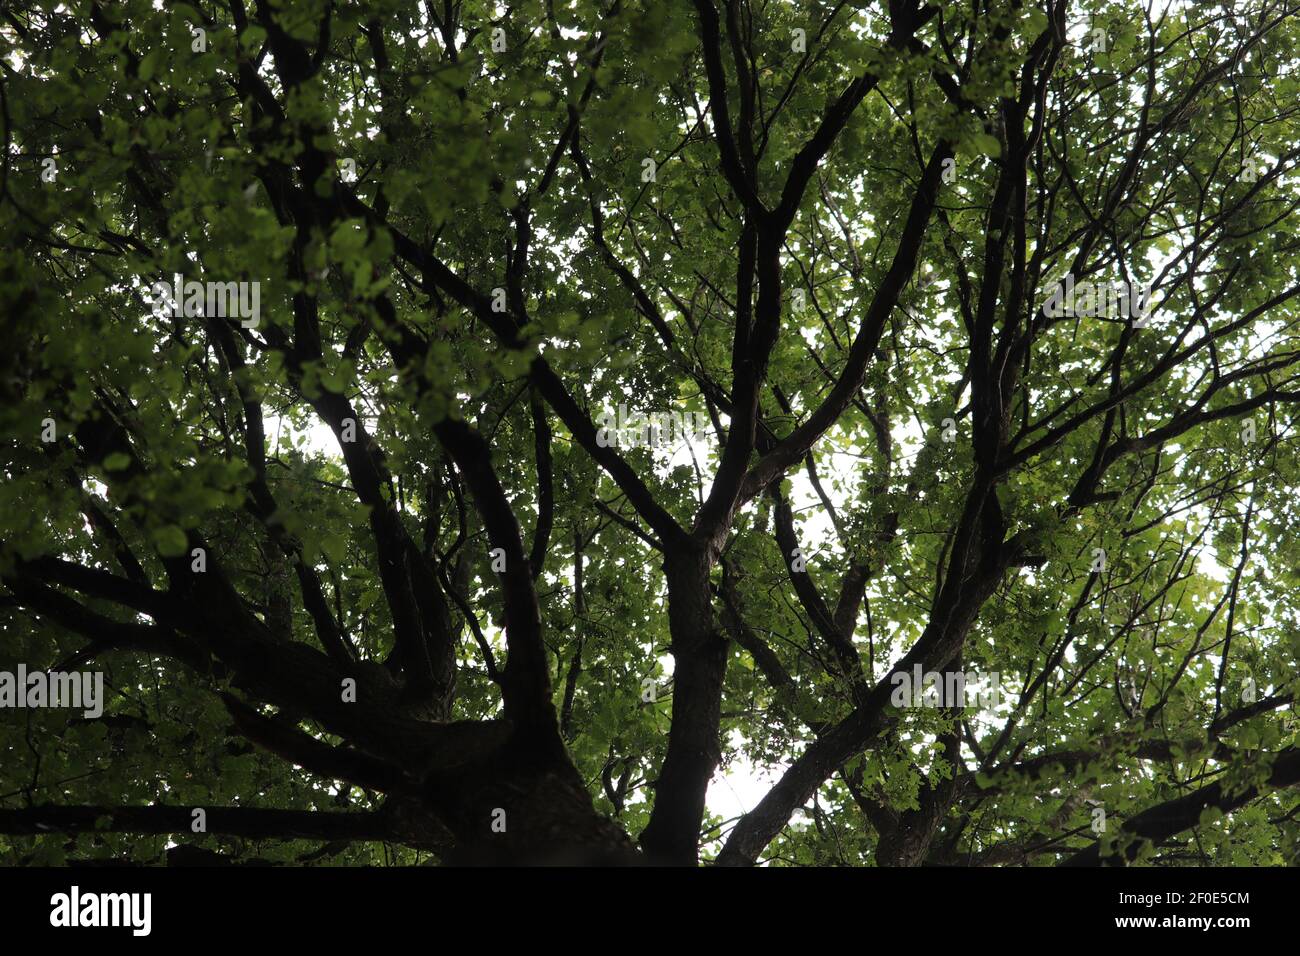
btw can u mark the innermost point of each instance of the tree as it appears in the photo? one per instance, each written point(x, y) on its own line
point(460, 431)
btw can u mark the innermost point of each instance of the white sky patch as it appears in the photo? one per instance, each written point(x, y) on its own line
point(317, 439)
point(736, 790)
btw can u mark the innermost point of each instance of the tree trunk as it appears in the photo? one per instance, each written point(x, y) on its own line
point(699, 651)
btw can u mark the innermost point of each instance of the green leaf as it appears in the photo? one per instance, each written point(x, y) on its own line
point(170, 541)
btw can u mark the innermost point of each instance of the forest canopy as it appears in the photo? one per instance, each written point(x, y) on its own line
point(465, 432)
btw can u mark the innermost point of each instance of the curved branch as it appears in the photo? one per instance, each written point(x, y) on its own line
point(252, 822)
point(1163, 821)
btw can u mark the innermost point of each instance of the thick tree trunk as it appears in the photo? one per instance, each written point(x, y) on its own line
point(503, 812)
point(699, 651)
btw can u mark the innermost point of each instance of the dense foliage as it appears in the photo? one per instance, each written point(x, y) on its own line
point(372, 572)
